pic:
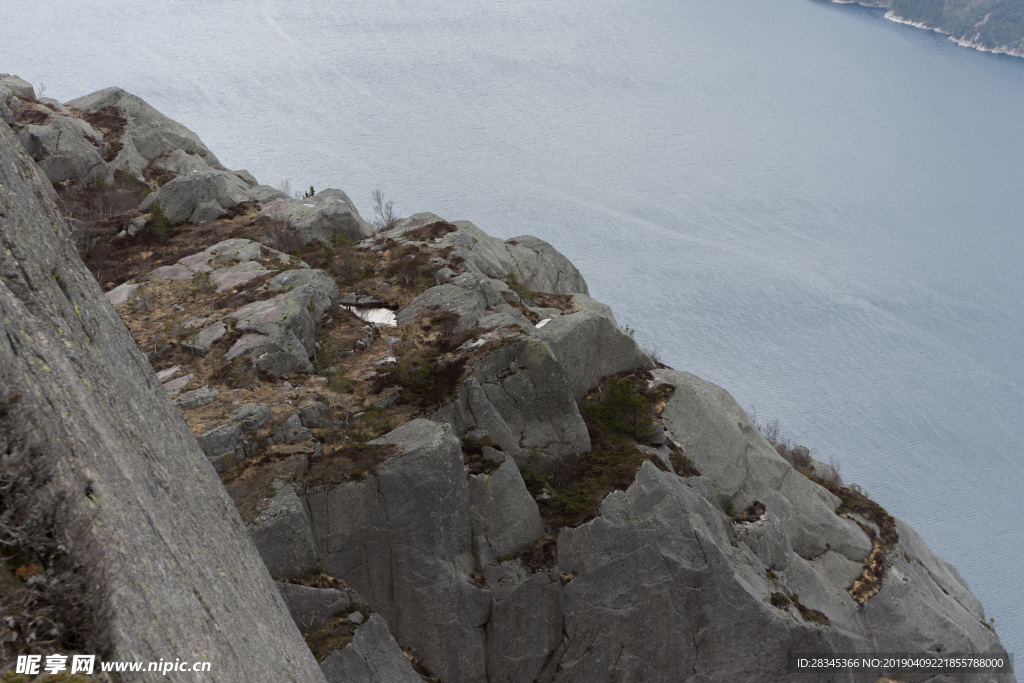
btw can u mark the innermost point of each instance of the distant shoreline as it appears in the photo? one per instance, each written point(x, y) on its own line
point(963, 42)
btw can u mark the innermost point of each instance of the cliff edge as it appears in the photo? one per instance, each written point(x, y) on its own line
point(453, 462)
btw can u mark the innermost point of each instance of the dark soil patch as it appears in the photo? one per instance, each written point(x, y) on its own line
point(754, 512)
point(111, 123)
point(431, 231)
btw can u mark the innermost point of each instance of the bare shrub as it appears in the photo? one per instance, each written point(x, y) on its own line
point(384, 213)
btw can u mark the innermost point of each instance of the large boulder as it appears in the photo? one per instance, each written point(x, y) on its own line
point(279, 332)
point(520, 396)
point(660, 589)
point(6, 115)
point(535, 263)
point(506, 516)
point(65, 148)
point(524, 631)
point(18, 86)
point(590, 347)
point(283, 535)
point(326, 216)
point(740, 466)
point(135, 499)
point(402, 538)
point(186, 198)
point(148, 135)
point(312, 607)
point(322, 287)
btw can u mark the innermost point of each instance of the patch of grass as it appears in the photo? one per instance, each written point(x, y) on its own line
point(345, 463)
point(780, 600)
point(813, 615)
point(339, 383)
point(426, 378)
point(328, 637)
point(431, 231)
point(237, 374)
point(683, 466)
point(618, 415)
point(111, 123)
point(202, 283)
point(621, 409)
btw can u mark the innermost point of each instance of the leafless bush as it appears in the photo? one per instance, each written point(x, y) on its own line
point(384, 213)
point(654, 353)
point(285, 185)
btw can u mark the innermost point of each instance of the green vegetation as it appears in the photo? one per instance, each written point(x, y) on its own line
point(619, 416)
point(991, 24)
point(158, 225)
point(623, 410)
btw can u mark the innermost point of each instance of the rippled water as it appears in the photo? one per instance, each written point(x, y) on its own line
point(815, 208)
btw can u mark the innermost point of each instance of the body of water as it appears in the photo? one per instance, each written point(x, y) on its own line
point(815, 208)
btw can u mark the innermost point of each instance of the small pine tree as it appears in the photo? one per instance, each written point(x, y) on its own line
point(158, 225)
point(309, 193)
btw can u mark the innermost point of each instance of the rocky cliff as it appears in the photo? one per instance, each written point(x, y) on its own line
point(454, 462)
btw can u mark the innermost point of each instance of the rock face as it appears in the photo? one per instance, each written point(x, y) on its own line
point(188, 577)
point(530, 408)
point(328, 215)
point(148, 134)
point(534, 262)
point(495, 534)
point(402, 538)
point(373, 656)
point(198, 197)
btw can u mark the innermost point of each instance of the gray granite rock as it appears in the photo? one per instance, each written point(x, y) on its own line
point(509, 515)
point(402, 539)
point(181, 162)
point(525, 625)
point(197, 398)
point(207, 212)
point(520, 395)
point(534, 262)
point(139, 498)
point(265, 194)
point(740, 466)
point(63, 149)
point(322, 286)
point(323, 217)
point(286, 327)
point(204, 341)
point(468, 304)
point(282, 534)
point(312, 607)
point(182, 197)
point(17, 85)
point(591, 347)
point(373, 656)
point(148, 134)
point(252, 416)
point(223, 446)
point(292, 431)
point(6, 115)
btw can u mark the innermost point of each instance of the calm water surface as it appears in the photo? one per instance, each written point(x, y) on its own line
point(815, 208)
